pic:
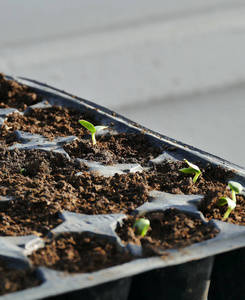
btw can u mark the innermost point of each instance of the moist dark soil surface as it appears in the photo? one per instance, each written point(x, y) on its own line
point(50, 122)
point(166, 177)
point(58, 121)
point(212, 184)
point(16, 280)
point(208, 206)
point(14, 95)
point(113, 149)
point(34, 210)
point(49, 184)
point(67, 253)
point(170, 229)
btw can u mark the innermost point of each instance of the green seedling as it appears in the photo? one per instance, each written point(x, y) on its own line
point(22, 171)
point(192, 169)
point(236, 188)
point(142, 226)
point(93, 129)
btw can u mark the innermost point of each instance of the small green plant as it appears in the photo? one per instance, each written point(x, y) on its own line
point(192, 169)
point(236, 188)
point(93, 129)
point(142, 226)
point(22, 171)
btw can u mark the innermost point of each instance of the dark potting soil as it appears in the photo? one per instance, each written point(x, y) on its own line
point(58, 121)
point(49, 184)
point(170, 229)
point(113, 149)
point(16, 280)
point(24, 218)
point(212, 184)
point(167, 177)
point(6, 137)
point(50, 122)
point(14, 95)
point(53, 181)
point(67, 253)
point(37, 191)
point(208, 206)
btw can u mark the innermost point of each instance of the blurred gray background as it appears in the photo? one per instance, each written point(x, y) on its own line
point(177, 67)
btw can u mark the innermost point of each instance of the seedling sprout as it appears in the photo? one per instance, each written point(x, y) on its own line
point(22, 171)
point(93, 129)
point(192, 169)
point(236, 188)
point(142, 226)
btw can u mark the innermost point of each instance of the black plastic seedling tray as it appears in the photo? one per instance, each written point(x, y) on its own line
point(190, 273)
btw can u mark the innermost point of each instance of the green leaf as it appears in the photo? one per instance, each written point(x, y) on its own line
point(222, 201)
point(88, 126)
point(142, 226)
point(231, 204)
point(188, 170)
point(197, 170)
point(22, 171)
point(235, 186)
